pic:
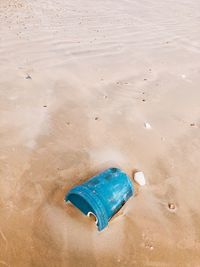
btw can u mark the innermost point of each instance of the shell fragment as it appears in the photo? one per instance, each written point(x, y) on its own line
point(140, 178)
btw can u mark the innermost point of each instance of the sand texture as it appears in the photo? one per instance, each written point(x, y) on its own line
point(79, 83)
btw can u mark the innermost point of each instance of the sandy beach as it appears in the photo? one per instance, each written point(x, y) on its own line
point(78, 82)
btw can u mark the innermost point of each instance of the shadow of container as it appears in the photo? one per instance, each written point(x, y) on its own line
point(103, 195)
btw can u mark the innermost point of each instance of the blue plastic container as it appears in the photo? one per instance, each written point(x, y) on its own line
point(102, 195)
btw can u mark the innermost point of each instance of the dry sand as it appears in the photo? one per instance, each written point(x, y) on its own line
point(127, 62)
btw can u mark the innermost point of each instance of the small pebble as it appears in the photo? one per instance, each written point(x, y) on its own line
point(192, 124)
point(140, 178)
point(147, 125)
point(68, 123)
point(96, 118)
point(144, 100)
point(149, 246)
point(171, 206)
point(28, 77)
point(44, 106)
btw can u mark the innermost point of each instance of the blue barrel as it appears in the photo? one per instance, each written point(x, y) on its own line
point(102, 195)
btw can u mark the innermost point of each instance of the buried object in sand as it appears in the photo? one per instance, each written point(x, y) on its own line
point(102, 196)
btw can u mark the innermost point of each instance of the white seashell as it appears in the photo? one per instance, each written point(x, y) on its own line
point(140, 178)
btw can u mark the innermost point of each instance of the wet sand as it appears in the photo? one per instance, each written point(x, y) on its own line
point(63, 64)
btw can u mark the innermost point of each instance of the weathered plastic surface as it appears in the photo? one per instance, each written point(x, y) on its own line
point(103, 195)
